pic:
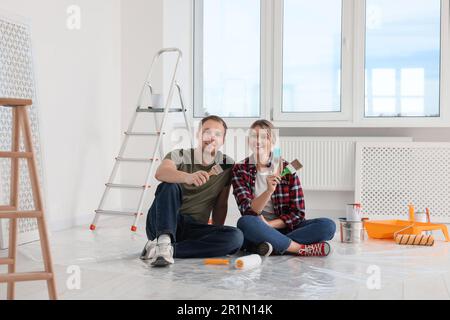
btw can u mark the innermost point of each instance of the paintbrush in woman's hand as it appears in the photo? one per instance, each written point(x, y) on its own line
point(292, 168)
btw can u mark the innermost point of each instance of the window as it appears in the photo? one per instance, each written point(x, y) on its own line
point(322, 63)
point(227, 54)
point(312, 56)
point(403, 58)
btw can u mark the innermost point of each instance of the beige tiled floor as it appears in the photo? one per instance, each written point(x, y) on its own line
point(110, 269)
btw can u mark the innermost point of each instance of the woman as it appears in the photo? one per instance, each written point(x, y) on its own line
point(273, 207)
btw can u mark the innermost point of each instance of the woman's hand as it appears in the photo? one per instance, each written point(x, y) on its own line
point(277, 224)
point(265, 221)
point(272, 182)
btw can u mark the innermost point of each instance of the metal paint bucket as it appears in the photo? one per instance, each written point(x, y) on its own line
point(352, 231)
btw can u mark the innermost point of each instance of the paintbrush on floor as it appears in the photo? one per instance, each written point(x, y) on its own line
point(292, 168)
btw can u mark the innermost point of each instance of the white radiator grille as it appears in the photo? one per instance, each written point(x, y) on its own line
point(392, 175)
point(329, 162)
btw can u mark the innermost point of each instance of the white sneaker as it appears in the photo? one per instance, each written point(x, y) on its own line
point(163, 255)
point(149, 251)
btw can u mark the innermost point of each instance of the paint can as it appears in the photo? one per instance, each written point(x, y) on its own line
point(420, 217)
point(352, 231)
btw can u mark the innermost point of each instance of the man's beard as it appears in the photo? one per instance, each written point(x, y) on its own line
point(209, 150)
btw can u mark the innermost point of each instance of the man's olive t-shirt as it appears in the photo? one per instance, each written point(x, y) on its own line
point(198, 202)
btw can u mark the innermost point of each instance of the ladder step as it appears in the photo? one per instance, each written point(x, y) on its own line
point(158, 110)
point(31, 276)
point(7, 102)
point(6, 261)
point(16, 155)
point(143, 134)
point(7, 208)
point(20, 214)
point(116, 213)
point(125, 186)
point(134, 160)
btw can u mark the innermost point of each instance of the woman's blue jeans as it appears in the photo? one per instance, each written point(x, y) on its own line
point(257, 231)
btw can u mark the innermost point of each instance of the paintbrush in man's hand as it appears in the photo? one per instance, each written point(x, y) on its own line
point(218, 169)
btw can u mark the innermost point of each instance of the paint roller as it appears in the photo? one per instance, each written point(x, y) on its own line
point(413, 239)
point(244, 263)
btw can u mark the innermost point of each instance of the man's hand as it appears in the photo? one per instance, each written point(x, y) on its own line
point(272, 182)
point(197, 179)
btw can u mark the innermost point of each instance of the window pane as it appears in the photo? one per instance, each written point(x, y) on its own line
point(402, 58)
point(312, 56)
point(231, 59)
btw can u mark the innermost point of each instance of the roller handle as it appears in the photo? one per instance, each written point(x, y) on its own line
point(219, 262)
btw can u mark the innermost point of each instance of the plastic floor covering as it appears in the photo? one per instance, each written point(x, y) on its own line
point(109, 267)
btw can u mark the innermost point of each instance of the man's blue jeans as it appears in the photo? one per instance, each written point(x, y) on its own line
point(191, 239)
point(308, 232)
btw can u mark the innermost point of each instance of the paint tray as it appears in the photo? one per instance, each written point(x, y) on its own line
point(385, 229)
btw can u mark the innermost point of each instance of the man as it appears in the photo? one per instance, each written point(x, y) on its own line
point(177, 222)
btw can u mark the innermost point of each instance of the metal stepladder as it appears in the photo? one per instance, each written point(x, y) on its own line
point(155, 109)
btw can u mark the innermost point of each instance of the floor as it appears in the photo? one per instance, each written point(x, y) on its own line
point(109, 268)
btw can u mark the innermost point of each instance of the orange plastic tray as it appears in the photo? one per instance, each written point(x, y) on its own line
point(385, 229)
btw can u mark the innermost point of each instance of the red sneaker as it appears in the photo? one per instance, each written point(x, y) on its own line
point(322, 249)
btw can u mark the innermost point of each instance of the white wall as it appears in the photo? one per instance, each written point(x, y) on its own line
point(142, 37)
point(79, 94)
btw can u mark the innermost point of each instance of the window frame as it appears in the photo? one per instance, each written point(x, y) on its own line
point(359, 83)
point(197, 46)
point(353, 59)
point(346, 67)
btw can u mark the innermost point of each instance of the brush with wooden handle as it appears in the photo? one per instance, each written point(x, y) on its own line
point(218, 169)
point(292, 168)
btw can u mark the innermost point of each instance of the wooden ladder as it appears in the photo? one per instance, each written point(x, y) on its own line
point(21, 122)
